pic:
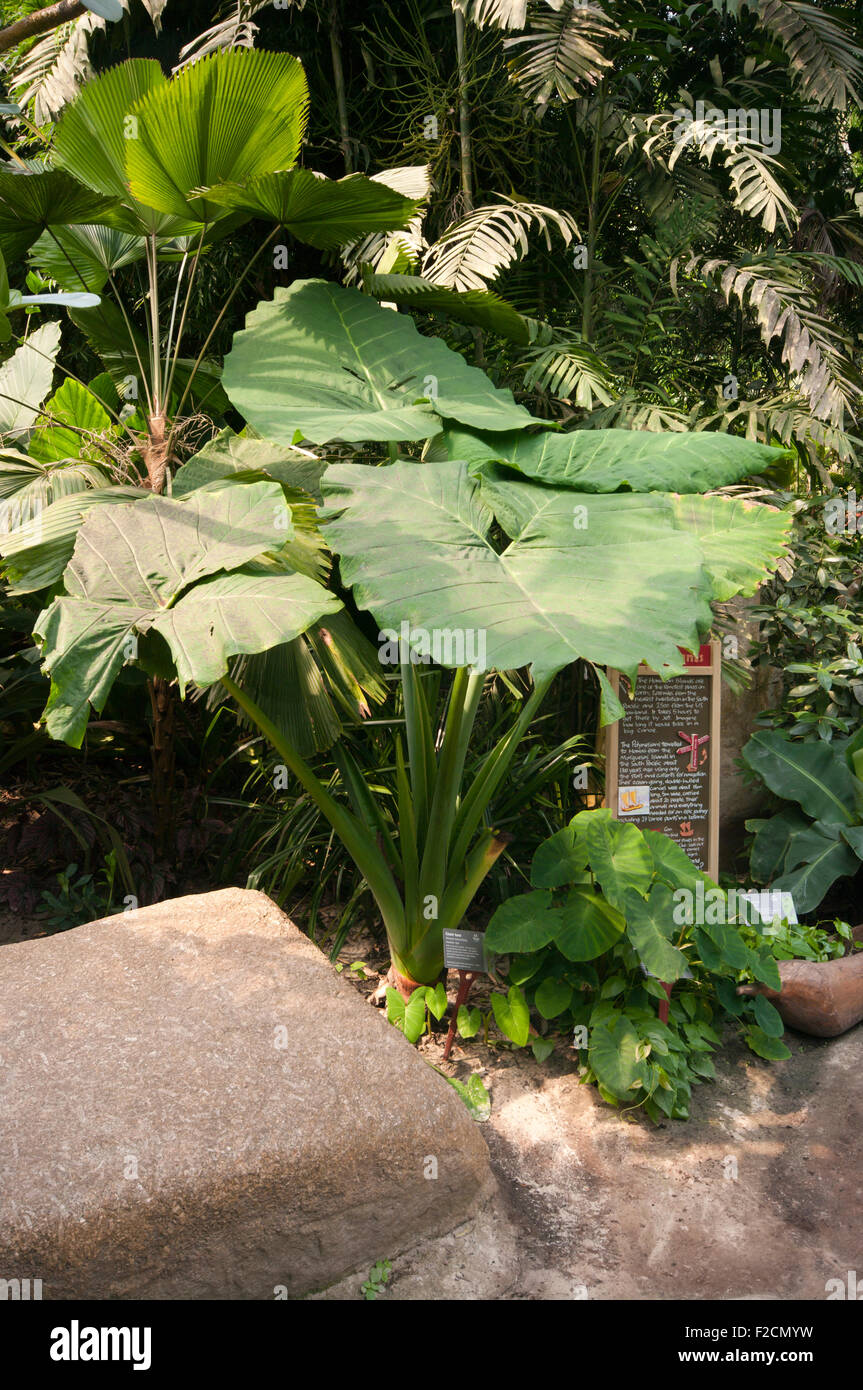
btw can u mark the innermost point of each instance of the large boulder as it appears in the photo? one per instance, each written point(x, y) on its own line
point(194, 1105)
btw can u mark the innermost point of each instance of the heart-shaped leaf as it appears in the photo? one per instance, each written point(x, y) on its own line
point(512, 1016)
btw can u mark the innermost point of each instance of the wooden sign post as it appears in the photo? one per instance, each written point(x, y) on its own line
point(662, 767)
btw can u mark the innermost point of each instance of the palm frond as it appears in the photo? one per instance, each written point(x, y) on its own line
point(757, 191)
point(230, 30)
point(48, 76)
point(475, 250)
point(571, 372)
point(392, 251)
point(812, 348)
point(788, 419)
point(826, 63)
point(560, 57)
point(493, 14)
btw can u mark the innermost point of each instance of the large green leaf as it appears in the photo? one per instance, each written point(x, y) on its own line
point(560, 859)
point(671, 864)
point(231, 455)
point(25, 379)
point(619, 857)
point(181, 569)
point(328, 363)
point(615, 1056)
point(228, 118)
point(649, 924)
point(612, 460)
point(812, 774)
point(37, 554)
point(33, 197)
point(511, 1015)
point(588, 924)
point(741, 540)
point(525, 922)
point(327, 213)
point(773, 843)
point(624, 588)
point(822, 857)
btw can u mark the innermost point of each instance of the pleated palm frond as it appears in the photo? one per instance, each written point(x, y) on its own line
point(28, 486)
point(560, 56)
point(475, 250)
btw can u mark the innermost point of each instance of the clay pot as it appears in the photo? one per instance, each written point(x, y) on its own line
point(824, 998)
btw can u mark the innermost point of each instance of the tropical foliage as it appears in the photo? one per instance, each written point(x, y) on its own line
point(374, 384)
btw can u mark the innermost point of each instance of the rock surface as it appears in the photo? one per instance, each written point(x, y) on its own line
point(194, 1105)
point(758, 1196)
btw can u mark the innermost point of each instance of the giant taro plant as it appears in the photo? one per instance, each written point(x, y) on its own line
point(547, 547)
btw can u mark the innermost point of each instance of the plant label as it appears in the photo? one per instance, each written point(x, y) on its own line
point(464, 950)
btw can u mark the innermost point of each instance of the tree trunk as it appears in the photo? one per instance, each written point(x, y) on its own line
point(32, 25)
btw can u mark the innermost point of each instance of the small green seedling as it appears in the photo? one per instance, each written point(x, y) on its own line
point(378, 1279)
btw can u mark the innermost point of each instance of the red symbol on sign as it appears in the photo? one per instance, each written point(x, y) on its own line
point(685, 829)
point(691, 746)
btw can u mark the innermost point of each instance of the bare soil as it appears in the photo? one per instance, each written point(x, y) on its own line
point(758, 1195)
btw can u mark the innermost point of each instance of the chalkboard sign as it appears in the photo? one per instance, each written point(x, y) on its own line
point(663, 756)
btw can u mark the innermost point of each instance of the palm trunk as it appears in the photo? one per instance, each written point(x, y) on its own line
point(339, 80)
